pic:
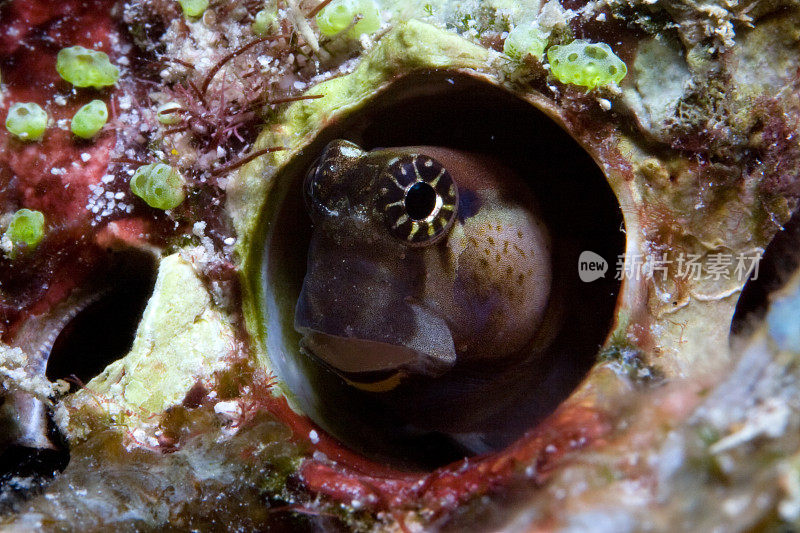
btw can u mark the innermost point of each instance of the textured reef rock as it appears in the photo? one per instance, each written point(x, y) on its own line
point(209, 419)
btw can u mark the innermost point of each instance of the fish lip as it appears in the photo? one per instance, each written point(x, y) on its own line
point(359, 378)
point(351, 357)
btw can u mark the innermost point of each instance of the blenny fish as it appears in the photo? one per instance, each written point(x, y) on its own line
point(428, 278)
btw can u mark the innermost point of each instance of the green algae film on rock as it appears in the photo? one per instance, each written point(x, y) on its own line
point(586, 64)
point(159, 185)
point(525, 40)
point(90, 119)
point(26, 121)
point(83, 67)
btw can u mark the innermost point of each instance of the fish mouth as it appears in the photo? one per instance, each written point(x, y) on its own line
point(369, 330)
point(367, 364)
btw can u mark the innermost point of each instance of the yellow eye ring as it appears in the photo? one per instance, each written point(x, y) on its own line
point(418, 199)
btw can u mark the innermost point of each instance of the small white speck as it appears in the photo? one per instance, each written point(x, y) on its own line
point(299, 85)
point(119, 196)
point(60, 100)
point(124, 102)
point(228, 409)
point(58, 171)
point(605, 104)
point(85, 157)
point(601, 17)
point(319, 456)
point(229, 241)
point(314, 436)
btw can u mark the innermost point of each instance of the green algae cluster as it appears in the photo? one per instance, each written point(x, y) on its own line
point(193, 8)
point(90, 119)
point(159, 185)
point(83, 67)
point(26, 121)
point(26, 228)
point(264, 21)
point(586, 64)
point(169, 113)
point(340, 15)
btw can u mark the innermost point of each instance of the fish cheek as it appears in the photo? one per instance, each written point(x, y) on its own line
point(353, 289)
point(502, 283)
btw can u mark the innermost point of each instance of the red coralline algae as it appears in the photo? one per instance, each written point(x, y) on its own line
point(348, 478)
point(54, 176)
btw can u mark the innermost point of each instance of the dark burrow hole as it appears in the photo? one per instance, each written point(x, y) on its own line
point(438, 108)
point(104, 330)
point(26, 471)
point(781, 258)
point(101, 332)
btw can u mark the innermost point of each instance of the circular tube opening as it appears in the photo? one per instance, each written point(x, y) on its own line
point(575, 202)
point(103, 330)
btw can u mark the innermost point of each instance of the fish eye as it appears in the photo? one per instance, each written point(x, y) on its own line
point(418, 199)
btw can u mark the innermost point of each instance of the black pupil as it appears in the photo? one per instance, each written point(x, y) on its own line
point(420, 201)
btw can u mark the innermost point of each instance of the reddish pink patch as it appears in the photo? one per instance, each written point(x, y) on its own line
point(55, 175)
point(51, 176)
point(346, 476)
point(125, 233)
